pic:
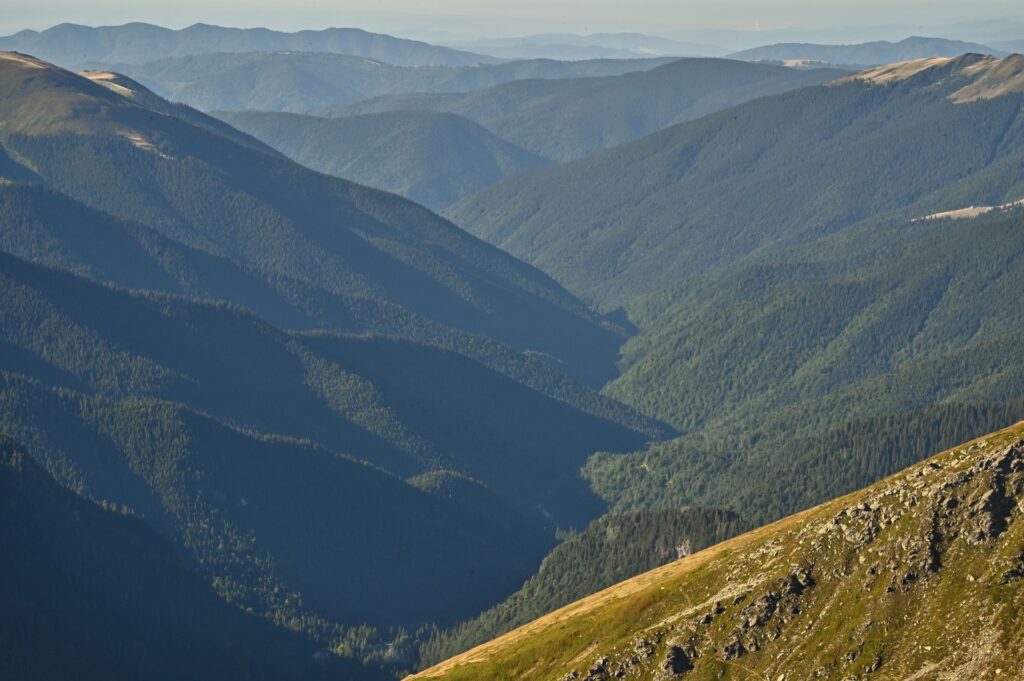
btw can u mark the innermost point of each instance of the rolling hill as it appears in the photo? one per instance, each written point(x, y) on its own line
point(210, 193)
point(570, 118)
point(865, 54)
point(76, 46)
point(68, 561)
point(701, 195)
point(303, 82)
point(916, 575)
point(431, 158)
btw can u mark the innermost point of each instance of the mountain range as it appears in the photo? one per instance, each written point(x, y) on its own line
point(865, 54)
point(344, 241)
point(569, 46)
point(568, 119)
point(248, 377)
point(778, 320)
point(269, 458)
point(304, 82)
point(704, 193)
point(76, 46)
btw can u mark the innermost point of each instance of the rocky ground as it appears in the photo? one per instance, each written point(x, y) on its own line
point(916, 577)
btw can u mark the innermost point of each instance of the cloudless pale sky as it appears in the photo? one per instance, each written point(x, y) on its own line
point(490, 18)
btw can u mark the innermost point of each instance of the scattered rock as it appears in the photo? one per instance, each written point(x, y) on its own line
point(677, 661)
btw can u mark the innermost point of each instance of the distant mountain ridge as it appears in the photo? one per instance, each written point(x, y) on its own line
point(429, 157)
point(589, 46)
point(303, 82)
point(570, 118)
point(865, 54)
point(78, 46)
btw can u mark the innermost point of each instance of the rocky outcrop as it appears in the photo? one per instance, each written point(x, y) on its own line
point(906, 543)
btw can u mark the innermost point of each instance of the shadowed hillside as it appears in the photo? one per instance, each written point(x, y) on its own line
point(431, 158)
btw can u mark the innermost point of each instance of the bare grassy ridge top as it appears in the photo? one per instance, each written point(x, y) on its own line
point(917, 576)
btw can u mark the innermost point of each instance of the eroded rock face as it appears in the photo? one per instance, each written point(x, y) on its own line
point(677, 661)
point(888, 547)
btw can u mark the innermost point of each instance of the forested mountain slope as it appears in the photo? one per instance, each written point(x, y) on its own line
point(68, 561)
point(571, 118)
point(302, 82)
point(207, 192)
point(374, 398)
point(79, 46)
point(916, 575)
point(274, 460)
point(431, 158)
point(879, 318)
point(49, 228)
point(786, 371)
point(766, 175)
point(277, 525)
point(611, 549)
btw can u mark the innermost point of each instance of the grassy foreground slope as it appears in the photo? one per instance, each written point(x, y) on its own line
point(612, 548)
point(917, 576)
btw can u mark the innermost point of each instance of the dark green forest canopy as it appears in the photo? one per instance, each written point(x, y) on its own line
point(81, 583)
point(52, 229)
point(767, 175)
point(372, 397)
point(431, 158)
point(799, 377)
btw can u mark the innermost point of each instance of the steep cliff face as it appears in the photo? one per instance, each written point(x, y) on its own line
point(918, 576)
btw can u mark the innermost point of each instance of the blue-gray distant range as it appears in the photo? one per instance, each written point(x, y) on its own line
point(866, 54)
point(73, 46)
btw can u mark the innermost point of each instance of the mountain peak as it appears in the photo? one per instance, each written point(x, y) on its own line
point(17, 60)
point(39, 97)
point(981, 76)
point(115, 82)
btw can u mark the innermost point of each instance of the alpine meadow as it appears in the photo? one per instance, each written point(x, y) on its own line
point(571, 341)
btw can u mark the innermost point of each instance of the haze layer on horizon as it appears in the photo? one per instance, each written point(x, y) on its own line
point(470, 19)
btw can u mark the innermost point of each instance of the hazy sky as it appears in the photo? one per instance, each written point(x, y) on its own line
point(492, 18)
